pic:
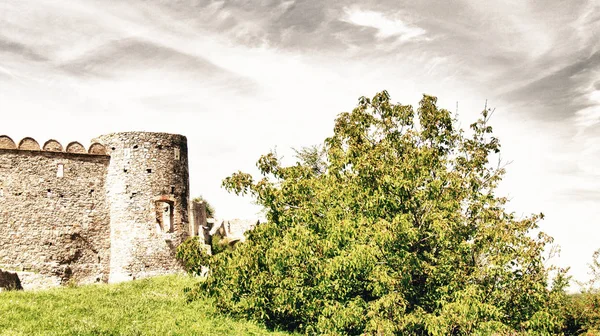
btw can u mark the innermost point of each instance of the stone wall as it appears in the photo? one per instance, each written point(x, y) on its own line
point(198, 223)
point(235, 228)
point(54, 218)
point(115, 212)
point(148, 189)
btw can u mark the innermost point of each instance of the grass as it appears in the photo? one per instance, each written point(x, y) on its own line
point(154, 306)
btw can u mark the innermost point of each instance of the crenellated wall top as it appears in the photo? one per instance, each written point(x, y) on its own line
point(30, 144)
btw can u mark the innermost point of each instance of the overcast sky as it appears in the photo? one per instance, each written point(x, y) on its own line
point(240, 78)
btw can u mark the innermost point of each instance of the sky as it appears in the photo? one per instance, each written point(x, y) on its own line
point(241, 78)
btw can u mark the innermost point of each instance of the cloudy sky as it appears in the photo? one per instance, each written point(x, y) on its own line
point(239, 78)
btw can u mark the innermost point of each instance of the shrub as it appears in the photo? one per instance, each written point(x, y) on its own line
point(583, 309)
point(193, 255)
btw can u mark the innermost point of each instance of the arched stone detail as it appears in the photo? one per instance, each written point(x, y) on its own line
point(52, 146)
point(97, 149)
point(7, 143)
point(29, 144)
point(75, 147)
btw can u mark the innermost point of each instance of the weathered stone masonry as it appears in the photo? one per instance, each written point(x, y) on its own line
point(112, 213)
point(147, 183)
point(54, 222)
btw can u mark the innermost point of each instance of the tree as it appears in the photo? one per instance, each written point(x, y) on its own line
point(397, 229)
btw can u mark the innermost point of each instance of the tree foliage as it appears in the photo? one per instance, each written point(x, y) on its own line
point(396, 228)
point(193, 255)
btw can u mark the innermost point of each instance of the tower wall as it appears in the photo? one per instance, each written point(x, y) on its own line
point(147, 187)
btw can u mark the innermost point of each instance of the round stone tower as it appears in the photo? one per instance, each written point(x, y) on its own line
point(148, 191)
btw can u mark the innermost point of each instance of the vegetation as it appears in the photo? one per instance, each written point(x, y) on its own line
point(392, 227)
point(210, 210)
point(193, 255)
point(582, 313)
point(220, 244)
point(154, 306)
point(583, 310)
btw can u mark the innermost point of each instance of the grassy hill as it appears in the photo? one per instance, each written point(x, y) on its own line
point(153, 306)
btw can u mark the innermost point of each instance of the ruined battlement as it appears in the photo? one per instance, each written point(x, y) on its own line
point(113, 212)
point(53, 146)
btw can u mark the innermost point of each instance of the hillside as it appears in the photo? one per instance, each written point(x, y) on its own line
point(153, 306)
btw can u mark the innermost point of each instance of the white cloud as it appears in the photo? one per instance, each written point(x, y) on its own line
point(386, 27)
point(589, 116)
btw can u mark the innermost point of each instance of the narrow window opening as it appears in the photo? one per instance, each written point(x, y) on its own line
point(172, 189)
point(112, 148)
point(60, 170)
point(148, 171)
point(135, 147)
point(164, 216)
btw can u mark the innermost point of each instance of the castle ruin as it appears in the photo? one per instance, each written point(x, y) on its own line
point(114, 212)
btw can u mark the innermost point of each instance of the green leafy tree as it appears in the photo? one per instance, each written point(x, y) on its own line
point(314, 157)
point(395, 229)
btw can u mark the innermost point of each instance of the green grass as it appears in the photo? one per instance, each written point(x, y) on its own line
point(153, 306)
